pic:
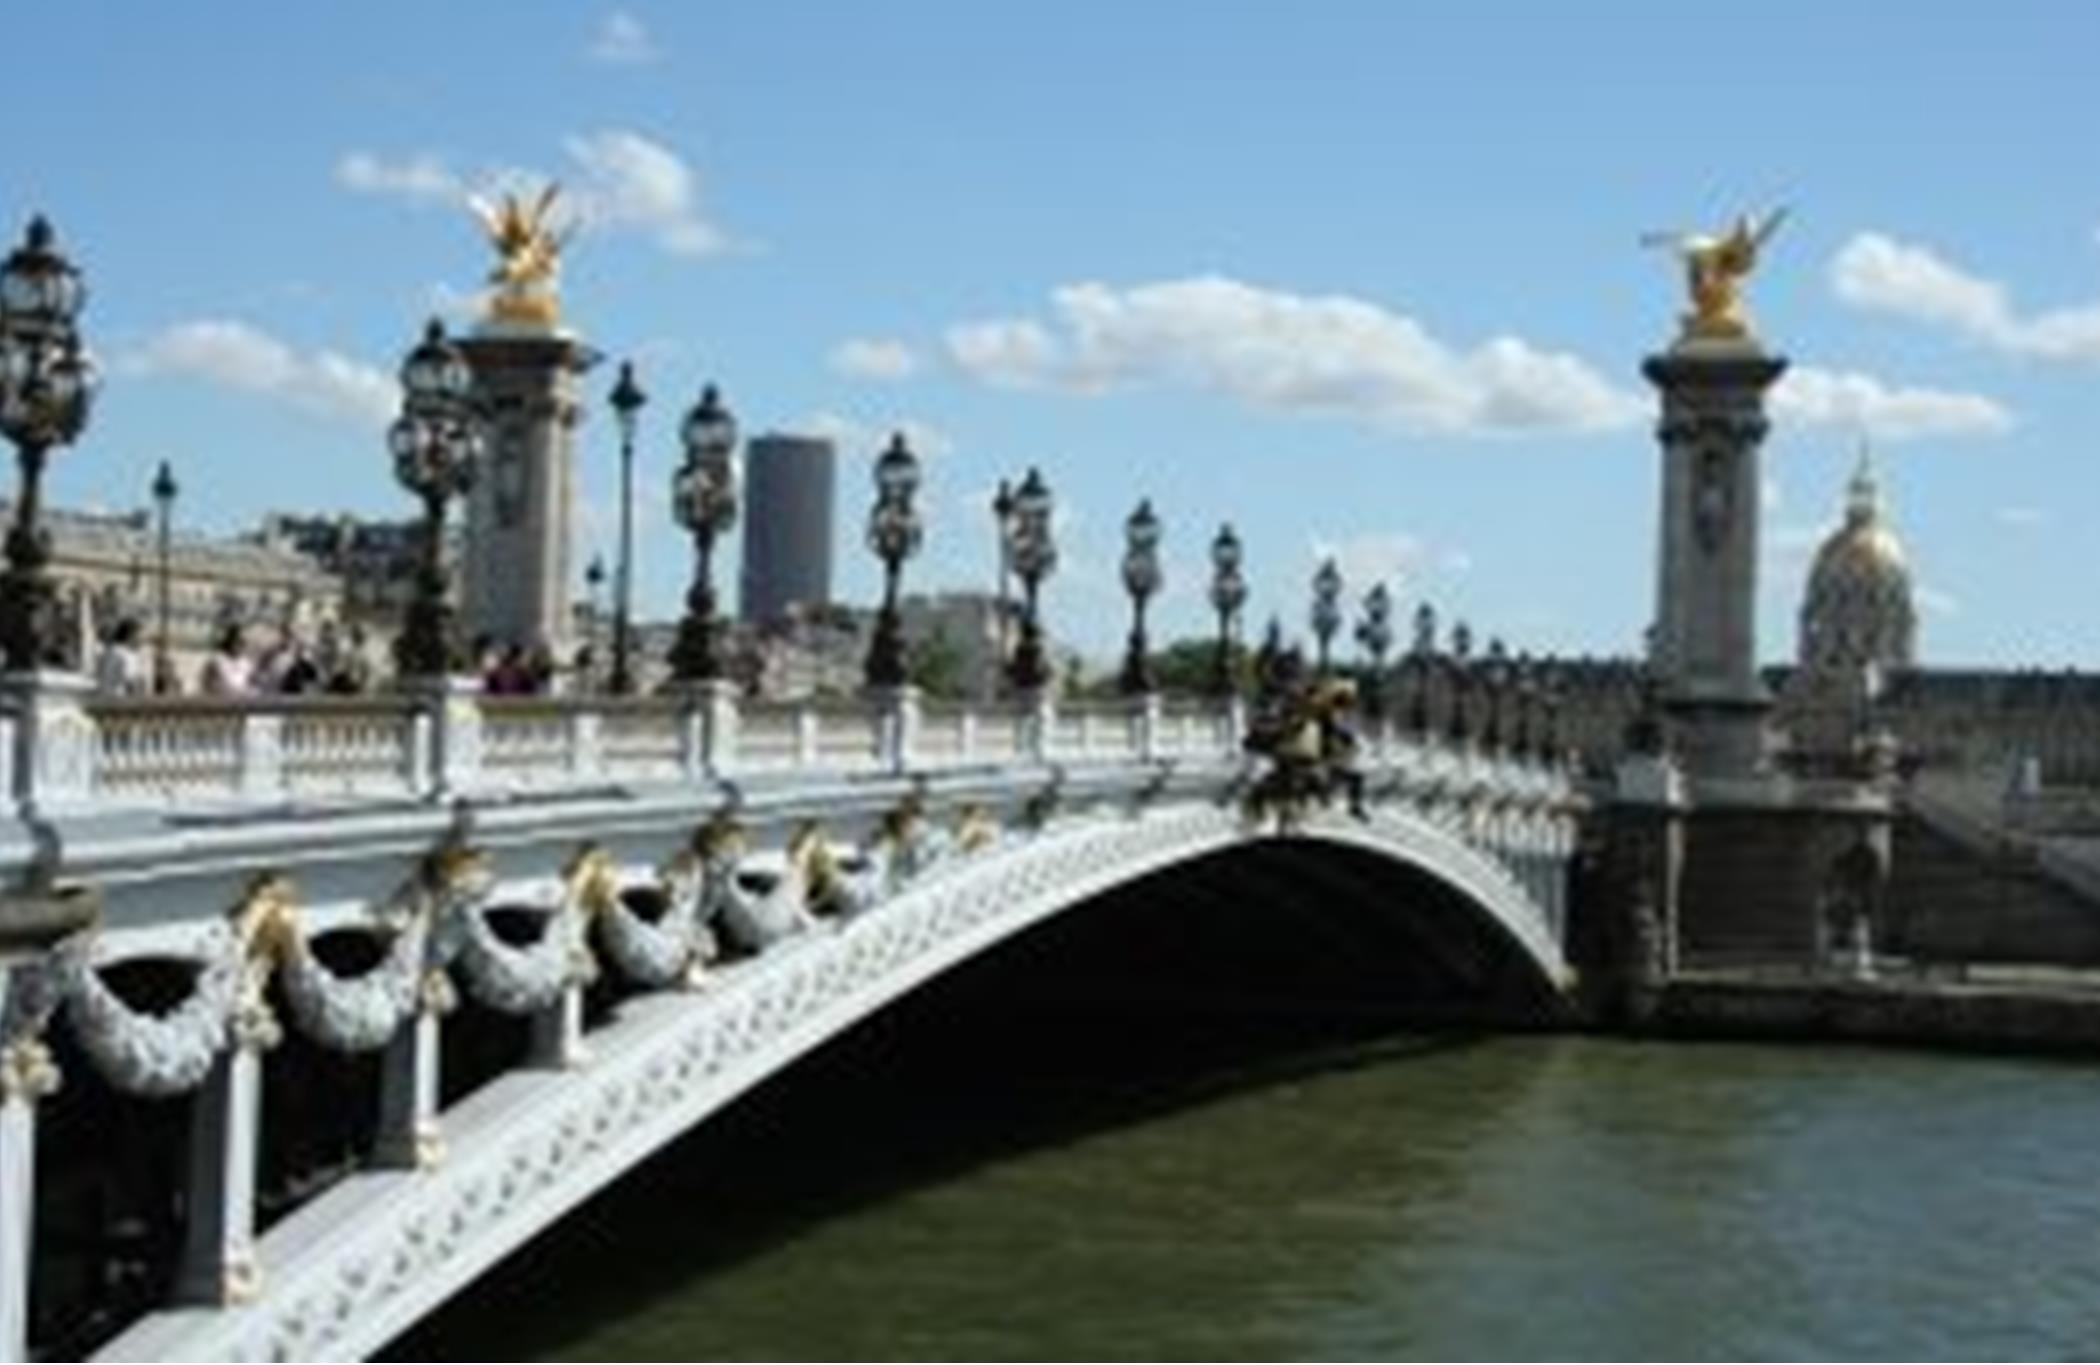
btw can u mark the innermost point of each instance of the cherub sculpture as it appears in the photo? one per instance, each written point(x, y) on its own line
point(1714, 267)
point(528, 256)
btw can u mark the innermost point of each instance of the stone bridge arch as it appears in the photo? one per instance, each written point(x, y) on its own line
point(370, 1257)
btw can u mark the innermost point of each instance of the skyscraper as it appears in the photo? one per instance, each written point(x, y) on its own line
point(792, 482)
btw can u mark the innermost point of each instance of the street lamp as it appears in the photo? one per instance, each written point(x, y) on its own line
point(47, 384)
point(436, 442)
point(1495, 683)
point(1033, 553)
point(1003, 519)
point(1326, 607)
point(594, 596)
point(703, 498)
point(1228, 593)
point(164, 493)
point(1141, 579)
point(626, 399)
point(893, 535)
point(1375, 634)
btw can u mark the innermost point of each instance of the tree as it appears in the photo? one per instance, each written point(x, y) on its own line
point(937, 666)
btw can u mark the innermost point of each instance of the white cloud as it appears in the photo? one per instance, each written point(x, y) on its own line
point(882, 358)
point(1937, 602)
point(1329, 355)
point(632, 182)
point(621, 181)
point(236, 355)
point(623, 40)
point(1880, 274)
point(422, 176)
point(1860, 402)
point(2021, 516)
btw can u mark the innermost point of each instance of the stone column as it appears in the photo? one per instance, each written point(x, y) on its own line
point(1647, 867)
point(1146, 721)
point(896, 714)
point(520, 511)
point(1705, 643)
point(452, 765)
point(1035, 722)
point(557, 1033)
point(410, 1134)
point(26, 1077)
point(54, 758)
point(218, 1256)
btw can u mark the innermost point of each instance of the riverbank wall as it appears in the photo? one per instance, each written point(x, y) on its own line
point(2048, 1015)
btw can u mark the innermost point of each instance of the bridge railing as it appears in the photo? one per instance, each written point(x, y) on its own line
point(67, 751)
point(73, 753)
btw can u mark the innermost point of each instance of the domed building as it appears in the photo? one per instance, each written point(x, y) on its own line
point(1858, 627)
point(1857, 611)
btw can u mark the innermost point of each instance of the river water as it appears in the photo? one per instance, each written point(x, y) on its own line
point(1102, 1144)
point(1503, 1198)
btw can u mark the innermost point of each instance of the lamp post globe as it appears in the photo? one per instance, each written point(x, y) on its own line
point(47, 385)
point(1034, 553)
point(894, 531)
point(704, 501)
point(1326, 608)
point(626, 400)
point(435, 444)
point(1142, 578)
point(1228, 593)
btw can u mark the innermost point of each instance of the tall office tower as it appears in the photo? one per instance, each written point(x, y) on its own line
point(792, 482)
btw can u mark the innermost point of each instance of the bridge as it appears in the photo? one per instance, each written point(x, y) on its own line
point(665, 900)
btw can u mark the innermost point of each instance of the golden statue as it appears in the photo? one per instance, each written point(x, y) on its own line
point(1714, 268)
point(528, 257)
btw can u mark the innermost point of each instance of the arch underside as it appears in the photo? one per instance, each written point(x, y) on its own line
point(370, 1257)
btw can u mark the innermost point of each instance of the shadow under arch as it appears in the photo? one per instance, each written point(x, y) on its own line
point(1246, 967)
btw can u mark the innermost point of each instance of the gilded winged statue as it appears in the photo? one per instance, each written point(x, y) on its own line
point(528, 255)
point(1715, 265)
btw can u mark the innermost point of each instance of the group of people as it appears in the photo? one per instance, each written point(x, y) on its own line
point(337, 661)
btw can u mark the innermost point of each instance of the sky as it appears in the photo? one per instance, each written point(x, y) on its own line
point(1360, 278)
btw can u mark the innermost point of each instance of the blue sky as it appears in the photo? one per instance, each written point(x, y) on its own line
point(1355, 276)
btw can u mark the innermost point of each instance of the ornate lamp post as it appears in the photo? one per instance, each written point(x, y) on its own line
point(436, 442)
point(1375, 634)
point(164, 493)
point(703, 497)
point(1326, 607)
point(1003, 518)
point(626, 399)
point(1034, 556)
point(893, 535)
point(47, 384)
point(1141, 579)
point(1228, 593)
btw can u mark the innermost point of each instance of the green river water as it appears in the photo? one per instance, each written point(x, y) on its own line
point(1512, 1197)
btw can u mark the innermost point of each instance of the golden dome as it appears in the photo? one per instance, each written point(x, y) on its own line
point(1857, 609)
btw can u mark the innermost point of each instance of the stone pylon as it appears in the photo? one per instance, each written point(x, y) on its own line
point(1704, 647)
point(518, 571)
